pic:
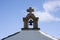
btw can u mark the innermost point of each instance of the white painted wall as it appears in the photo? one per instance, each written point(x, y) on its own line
point(30, 35)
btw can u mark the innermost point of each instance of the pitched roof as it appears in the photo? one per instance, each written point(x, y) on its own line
point(29, 35)
point(10, 35)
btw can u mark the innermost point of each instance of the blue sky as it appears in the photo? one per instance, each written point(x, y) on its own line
point(13, 11)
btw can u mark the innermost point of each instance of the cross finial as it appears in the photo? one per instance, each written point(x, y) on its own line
point(30, 10)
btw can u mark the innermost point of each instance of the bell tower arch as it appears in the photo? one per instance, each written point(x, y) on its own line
point(31, 19)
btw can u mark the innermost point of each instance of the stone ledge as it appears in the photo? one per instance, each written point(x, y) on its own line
point(30, 28)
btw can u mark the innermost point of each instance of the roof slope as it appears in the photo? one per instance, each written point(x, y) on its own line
point(30, 35)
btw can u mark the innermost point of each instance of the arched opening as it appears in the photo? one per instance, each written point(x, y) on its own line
point(30, 23)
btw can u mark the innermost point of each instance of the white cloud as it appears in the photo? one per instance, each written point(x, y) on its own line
point(44, 16)
point(49, 7)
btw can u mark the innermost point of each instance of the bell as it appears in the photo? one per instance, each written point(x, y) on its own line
point(30, 22)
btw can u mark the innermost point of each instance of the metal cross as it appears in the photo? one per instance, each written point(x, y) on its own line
point(30, 22)
point(30, 10)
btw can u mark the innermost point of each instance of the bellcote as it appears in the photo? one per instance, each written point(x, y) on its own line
point(31, 19)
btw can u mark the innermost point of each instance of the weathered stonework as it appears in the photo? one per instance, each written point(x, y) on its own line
point(30, 16)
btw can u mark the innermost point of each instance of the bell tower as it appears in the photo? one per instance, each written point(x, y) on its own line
point(30, 19)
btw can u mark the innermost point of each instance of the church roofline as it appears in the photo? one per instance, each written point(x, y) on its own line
point(10, 35)
point(54, 38)
point(40, 32)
